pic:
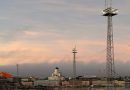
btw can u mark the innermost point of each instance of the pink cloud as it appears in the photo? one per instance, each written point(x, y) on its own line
point(88, 50)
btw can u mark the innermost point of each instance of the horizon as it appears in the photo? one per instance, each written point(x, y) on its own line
point(45, 32)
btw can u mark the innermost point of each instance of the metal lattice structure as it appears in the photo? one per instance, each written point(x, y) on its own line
point(74, 51)
point(109, 12)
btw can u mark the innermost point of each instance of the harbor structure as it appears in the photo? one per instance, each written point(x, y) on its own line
point(74, 51)
point(109, 12)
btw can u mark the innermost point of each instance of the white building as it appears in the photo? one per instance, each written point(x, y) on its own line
point(56, 75)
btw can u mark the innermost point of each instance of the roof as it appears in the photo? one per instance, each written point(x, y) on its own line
point(6, 75)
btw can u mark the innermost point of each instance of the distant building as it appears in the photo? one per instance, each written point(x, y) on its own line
point(56, 75)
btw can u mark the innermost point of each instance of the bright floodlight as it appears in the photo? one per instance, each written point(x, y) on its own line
point(110, 12)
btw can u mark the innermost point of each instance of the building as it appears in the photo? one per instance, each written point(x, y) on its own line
point(5, 75)
point(56, 75)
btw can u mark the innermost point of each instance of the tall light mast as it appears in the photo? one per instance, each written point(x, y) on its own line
point(74, 51)
point(109, 12)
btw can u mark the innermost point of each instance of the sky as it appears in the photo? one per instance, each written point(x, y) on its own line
point(34, 32)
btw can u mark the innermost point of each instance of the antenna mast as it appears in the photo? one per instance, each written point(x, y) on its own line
point(74, 51)
point(109, 12)
point(17, 65)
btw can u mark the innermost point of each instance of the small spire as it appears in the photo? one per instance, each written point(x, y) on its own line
point(74, 50)
point(108, 3)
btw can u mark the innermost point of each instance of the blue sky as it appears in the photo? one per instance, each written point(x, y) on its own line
point(47, 30)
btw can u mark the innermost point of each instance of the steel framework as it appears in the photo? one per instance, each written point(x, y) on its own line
point(109, 12)
point(74, 51)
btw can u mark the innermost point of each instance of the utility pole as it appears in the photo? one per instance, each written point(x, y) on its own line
point(109, 12)
point(17, 65)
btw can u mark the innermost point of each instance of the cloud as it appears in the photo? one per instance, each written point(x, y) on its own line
point(32, 33)
point(45, 69)
point(39, 33)
point(54, 52)
point(45, 30)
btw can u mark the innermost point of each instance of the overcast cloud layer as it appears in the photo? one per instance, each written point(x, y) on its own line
point(44, 70)
point(45, 31)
